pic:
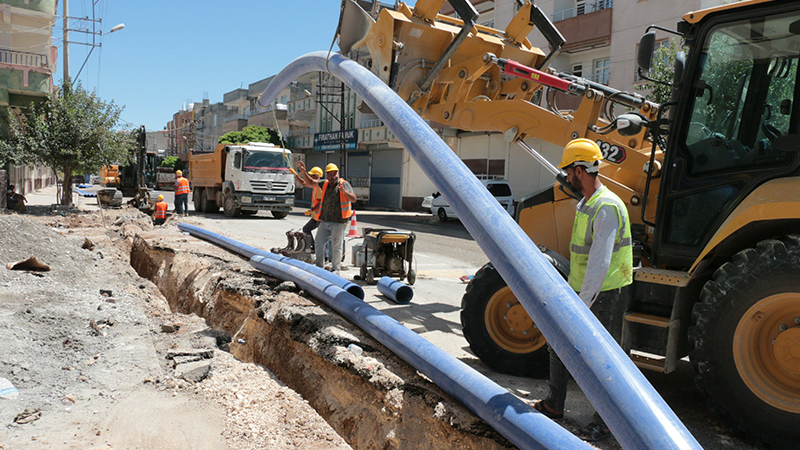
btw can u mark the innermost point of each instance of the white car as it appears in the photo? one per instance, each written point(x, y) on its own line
point(499, 188)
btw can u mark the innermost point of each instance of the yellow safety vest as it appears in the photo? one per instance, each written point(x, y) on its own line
point(620, 271)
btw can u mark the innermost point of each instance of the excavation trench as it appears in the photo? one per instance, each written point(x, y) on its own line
point(374, 400)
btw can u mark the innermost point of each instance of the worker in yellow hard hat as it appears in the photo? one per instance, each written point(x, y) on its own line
point(316, 206)
point(182, 190)
point(601, 265)
point(160, 213)
point(335, 211)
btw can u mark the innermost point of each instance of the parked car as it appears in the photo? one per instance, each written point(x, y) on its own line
point(499, 188)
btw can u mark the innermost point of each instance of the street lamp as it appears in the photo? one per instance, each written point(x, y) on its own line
point(93, 44)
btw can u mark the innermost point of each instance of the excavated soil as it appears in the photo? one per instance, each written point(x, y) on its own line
point(152, 339)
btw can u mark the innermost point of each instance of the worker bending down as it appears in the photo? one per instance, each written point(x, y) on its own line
point(336, 209)
point(601, 265)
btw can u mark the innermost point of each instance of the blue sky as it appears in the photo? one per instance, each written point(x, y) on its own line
point(175, 51)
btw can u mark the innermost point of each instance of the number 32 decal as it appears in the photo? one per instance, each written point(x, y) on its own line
point(612, 153)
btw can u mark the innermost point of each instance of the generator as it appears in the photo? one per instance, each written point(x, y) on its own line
point(387, 253)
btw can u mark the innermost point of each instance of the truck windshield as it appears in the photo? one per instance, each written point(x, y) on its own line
point(259, 161)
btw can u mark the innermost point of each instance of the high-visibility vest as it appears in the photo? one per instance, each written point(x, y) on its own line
point(161, 209)
point(316, 202)
point(181, 186)
point(344, 203)
point(620, 271)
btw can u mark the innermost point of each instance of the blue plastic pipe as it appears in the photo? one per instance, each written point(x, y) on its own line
point(636, 414)
point(396, 291)
point(248, 252)
point(506, 413)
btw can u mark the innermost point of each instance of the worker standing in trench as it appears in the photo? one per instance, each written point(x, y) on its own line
point(336, 209)
point(601, 266)
point(160, 213)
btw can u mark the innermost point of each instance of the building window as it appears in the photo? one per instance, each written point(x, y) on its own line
point(602, 70)
point(215, 120)
point(580, 7)
point(577, 70)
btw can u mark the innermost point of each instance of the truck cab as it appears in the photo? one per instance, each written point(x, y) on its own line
point(244, 178)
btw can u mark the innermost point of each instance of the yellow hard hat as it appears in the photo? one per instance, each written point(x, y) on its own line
point(331, 167)
point(160, 197)
point(178, 172)
point(585, 150)
point(315, 171)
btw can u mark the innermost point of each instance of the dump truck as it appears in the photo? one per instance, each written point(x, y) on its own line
point(711, 180)
point(165, 178)
point(243, 179)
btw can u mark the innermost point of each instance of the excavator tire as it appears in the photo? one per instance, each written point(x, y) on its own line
point(746, 341)
point(485, 307)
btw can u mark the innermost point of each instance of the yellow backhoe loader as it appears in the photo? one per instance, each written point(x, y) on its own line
point(711, 180)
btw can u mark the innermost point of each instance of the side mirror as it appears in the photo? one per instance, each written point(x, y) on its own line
point(646, 46)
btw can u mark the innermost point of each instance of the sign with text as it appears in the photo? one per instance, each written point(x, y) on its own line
point(334, 140)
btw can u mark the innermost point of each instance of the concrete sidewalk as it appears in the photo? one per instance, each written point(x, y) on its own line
point(48, 197)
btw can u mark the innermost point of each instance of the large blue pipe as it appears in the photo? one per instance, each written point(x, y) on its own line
point(506, 413)
point(249, 251)
point(396, 291)
point(636, 414)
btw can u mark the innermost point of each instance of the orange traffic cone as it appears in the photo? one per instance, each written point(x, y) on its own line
point(353, 226)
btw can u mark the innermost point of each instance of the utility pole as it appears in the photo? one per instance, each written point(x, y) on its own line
point(66, 40)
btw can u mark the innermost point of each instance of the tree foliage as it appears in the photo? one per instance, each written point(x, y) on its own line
point(252, 133)
point(174, 162)
point(663, 70)
point(71, 131)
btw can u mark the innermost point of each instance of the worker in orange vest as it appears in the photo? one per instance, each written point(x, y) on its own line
point(160, 214)
point(337, 199)
point(316, 205)
point(181, 194)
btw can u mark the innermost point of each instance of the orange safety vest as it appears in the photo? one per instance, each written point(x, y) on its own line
point(343, 201)
point(161, 210)
point(316, 202)
point(182, 187)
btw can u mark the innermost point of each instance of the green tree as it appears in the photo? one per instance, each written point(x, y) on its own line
point(663, 69)
point(174, 162)
point(251, 134)
point(72, 131)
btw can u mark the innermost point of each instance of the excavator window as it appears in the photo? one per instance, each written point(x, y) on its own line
point(743, 95)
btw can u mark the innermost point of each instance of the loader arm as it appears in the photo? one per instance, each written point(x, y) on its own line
point(473, 92)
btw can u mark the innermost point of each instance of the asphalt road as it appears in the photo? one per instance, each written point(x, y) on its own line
point(443, 253)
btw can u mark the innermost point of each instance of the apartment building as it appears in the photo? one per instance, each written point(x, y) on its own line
point(27, 63)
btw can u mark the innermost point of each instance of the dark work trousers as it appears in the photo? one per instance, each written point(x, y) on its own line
point(608, 308)
point(310, 226)
point(182, 203)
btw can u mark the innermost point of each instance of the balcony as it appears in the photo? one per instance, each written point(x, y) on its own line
point(13, 58)
point(585, 27)
point(300, 132)
point(584, 8)
point(233, 117)
point(370, 123)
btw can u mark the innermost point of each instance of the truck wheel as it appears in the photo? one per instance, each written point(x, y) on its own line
point(746, 341)
point(279, 214)
point(196, 194)
point(229, 206)
point(206, 204)
point(499, 330)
